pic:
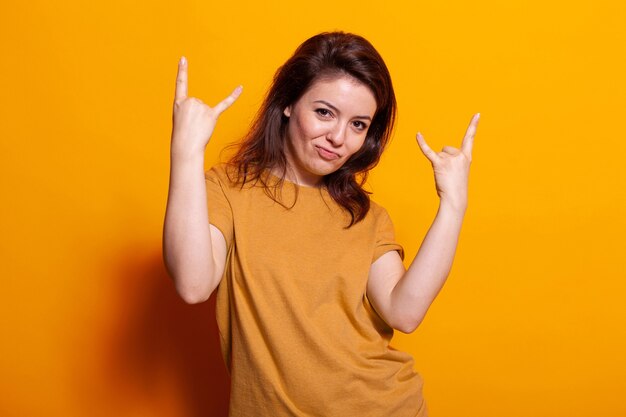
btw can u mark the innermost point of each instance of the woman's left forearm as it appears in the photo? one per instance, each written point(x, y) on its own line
point(418, 287)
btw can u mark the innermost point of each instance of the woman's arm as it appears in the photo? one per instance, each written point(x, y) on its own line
point(402, 297)
point(194, 251)
point(188, 238)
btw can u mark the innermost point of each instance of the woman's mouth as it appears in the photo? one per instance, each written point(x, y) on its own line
point(326, 154)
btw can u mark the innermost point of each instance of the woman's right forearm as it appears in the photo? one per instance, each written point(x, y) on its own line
point(187, 248)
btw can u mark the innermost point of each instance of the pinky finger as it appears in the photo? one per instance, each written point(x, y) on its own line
point(228, 101)
point(429, 153)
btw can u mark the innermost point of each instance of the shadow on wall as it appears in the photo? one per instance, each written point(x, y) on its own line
point(162, 347)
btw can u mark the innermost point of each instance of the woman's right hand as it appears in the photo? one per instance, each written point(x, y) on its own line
point(194, 121)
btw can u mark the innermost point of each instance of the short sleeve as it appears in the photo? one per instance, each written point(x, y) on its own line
point(220, 211)
point(385, 236)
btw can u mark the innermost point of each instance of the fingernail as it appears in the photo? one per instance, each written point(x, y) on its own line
point(183, 60)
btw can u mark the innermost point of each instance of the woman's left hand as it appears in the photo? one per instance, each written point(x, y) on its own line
point(451, 167)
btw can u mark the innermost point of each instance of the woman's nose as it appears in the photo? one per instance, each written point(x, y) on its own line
point(336, 134)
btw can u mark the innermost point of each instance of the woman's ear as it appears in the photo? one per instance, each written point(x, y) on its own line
point(287, 111)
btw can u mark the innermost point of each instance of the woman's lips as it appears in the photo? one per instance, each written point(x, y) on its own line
point(326, 154)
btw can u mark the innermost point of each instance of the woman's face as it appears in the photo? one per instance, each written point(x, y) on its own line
point(327, 125)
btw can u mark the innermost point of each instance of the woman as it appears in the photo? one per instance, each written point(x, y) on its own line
point(310, 279)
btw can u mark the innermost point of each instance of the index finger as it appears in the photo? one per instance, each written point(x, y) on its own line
point(468, 140)
point(181, 80)
point(428, 153)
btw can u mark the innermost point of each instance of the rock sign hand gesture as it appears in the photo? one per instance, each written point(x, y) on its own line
point(194, 121)
point(451, 167)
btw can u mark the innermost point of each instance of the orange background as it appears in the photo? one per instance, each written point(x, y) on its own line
point(532, 319)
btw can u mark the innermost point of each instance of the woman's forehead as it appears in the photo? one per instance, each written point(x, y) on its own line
point(342, 91)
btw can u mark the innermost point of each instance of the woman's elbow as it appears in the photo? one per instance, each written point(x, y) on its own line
point(194, 300)
point(408, 326)
point(193, 297)
point(191, 288)
point(193, 294)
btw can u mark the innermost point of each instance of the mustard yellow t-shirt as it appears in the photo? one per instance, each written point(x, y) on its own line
point(297, 331)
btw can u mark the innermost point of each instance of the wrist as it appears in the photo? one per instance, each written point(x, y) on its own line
point(186, 156)
point(457, 208)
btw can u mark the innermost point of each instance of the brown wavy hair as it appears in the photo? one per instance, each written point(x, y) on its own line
point(326, 55)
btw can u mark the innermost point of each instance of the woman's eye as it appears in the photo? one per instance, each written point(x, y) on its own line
point(360, 125)
point(323, 112)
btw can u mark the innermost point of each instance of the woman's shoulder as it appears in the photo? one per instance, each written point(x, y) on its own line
point(216, 171)
point(221, 173)
point(377, 210)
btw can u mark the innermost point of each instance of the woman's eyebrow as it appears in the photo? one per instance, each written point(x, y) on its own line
point(337, 110)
